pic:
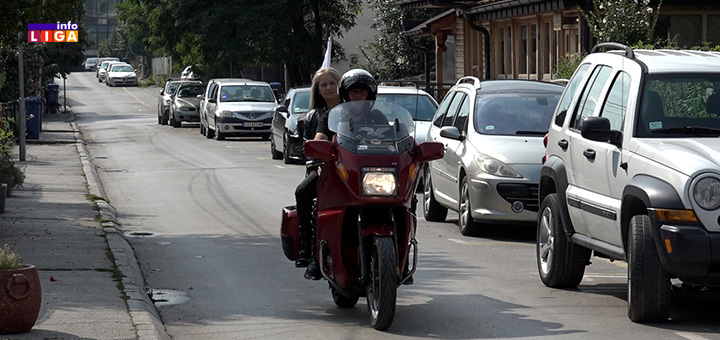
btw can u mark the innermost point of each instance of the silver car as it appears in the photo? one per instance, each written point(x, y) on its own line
point(493, 134)
point(238, 107)
point(121, 74)
point(185, 103)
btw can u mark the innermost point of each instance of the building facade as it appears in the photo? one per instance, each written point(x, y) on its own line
point(525, 39)
point(100, 19)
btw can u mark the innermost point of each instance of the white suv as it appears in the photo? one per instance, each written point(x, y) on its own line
point(632, 173)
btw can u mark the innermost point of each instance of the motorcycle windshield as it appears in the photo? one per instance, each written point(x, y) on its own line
point(372, 127)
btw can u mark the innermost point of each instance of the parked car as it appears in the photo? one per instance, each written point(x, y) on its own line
point(99, 63)
point(185, 103)
point(493, 131)
point(90, 63)
point(102, 71)
point(633, 174)
point(419, 103)
point(165, 99)
point(210, 90)
point(121, 74)
point(238, 108)
point(285, 130)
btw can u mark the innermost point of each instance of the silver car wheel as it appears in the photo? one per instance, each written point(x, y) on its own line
point(545, 240)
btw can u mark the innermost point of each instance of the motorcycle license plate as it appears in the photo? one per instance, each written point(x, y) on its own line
point(253, 124)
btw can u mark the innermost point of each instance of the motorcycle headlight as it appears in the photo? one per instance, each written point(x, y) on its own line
point(227, 114)
point(379, 182)
point(495, 167)
point(707, 193)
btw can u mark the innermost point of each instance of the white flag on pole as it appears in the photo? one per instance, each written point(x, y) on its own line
point(328, 54)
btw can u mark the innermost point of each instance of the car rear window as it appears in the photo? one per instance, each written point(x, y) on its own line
point(515, 113)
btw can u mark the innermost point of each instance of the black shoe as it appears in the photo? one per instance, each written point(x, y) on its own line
point(313, 271)
point(303, 259)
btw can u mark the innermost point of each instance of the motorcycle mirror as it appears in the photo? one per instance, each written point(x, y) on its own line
point(428, 151)
point(321, 150)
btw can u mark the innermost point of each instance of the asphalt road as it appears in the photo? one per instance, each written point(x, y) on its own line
point(204, 217)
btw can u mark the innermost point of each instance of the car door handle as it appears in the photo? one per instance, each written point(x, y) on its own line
point(563, 144)
point(589, 154)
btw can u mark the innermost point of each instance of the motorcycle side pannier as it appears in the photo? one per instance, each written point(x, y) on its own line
point(290, 233)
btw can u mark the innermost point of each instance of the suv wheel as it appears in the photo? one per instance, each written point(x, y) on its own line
point(648, 282)
point(174, 122)
point(165, 117)
point(209, 133)
point(432, 210)
point(202, 129)
point(561, 264)
point(468, 226)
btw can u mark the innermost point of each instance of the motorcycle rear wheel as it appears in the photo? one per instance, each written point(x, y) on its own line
point(381, 287)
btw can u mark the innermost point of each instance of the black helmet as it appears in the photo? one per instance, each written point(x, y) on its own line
point(357, 78)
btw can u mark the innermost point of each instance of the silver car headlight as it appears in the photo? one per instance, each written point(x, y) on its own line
point(495, 167)
point(379, 181)
point(707, 193)
point(227, 114)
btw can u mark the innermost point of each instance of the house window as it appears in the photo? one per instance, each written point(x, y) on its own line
point(523, 50)
point(448, 61)
point(532, 56)
point(547, 53)
point(713, 29)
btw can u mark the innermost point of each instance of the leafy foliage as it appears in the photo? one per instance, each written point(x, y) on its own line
point(627, 22)
point(221, 37)
point(9, 259)
point(388, 55)
point(42, 60)
point(567, 65)
point(7, 140)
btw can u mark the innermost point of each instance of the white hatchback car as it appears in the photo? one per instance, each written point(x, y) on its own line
point(493, 134)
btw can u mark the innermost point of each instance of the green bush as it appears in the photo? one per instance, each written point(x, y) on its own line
point(9, 259)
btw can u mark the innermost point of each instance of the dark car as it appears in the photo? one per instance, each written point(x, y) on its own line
point(165, 99)
point(286, 141)
point(185, 103)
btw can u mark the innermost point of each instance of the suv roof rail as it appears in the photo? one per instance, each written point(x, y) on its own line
point(611, 45)
point(469, 79)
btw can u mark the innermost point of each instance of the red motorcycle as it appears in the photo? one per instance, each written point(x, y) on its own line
point(365, 209)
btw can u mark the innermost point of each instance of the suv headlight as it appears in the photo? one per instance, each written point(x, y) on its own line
point(379, 181)
point(707, 193)
point(495, 167)
point(227, 114)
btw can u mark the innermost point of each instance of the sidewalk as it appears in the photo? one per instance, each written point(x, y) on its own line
point(92, 286)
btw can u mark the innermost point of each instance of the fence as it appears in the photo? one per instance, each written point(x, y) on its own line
point(162, 66)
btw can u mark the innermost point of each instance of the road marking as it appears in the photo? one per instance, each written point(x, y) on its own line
point(606, 276)
point(279, 166)
point(457, 241)
point(136, 98)
point(691, 336)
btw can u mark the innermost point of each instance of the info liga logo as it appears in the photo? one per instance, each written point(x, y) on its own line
point(65, 32)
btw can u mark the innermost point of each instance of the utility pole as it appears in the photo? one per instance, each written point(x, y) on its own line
point(21, 123)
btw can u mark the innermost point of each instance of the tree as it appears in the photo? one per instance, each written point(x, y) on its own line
point(628, 22)
point(388, 55)
point(41, 60)
point(221, 37)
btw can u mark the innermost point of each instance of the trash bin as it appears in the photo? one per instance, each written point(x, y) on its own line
point(33, 116)
point(52, 95)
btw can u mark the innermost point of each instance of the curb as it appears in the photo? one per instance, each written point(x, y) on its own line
point(144, 315)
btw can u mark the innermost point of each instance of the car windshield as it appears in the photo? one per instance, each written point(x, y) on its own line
point(301, 104)
point(121, 68)
point(421, 107)
point(91, 61)
point(171, 87)
point(246, 93)
point(190, 91)
point(372, 127)
point(515, 113)
point(680, 106)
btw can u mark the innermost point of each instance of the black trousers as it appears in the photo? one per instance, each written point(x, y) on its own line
point(305, 192)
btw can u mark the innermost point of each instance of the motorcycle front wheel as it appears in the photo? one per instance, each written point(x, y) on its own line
point(381, 289)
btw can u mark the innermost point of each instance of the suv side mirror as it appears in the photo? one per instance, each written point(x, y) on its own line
point(212, 100)
point(451, 132)
point(282, 108)
point(598, 129)
point(162, 92)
